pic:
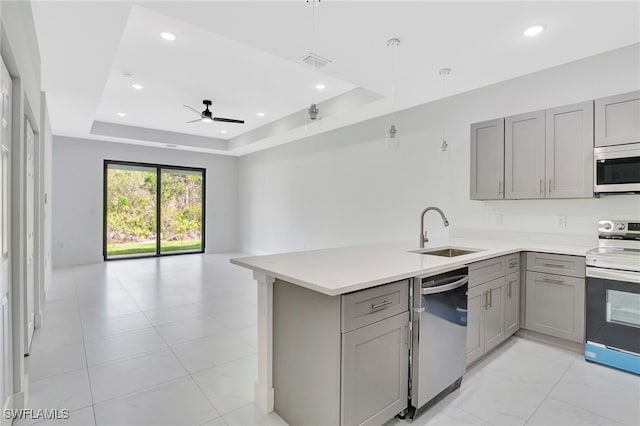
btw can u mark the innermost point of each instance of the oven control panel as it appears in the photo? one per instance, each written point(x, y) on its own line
point(619, 229)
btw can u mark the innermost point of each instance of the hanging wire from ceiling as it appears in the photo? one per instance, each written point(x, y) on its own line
point(444, 72)
point(313, 110)
point(393, 130)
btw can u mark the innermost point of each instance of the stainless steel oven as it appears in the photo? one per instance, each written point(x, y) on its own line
point(617, 168)
point(613, 297)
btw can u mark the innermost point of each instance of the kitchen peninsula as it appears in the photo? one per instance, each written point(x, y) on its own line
point(306, 305)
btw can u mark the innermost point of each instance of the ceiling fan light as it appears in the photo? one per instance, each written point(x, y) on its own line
point(207, 120)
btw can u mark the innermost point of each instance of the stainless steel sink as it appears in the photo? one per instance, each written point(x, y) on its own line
point(446, 251)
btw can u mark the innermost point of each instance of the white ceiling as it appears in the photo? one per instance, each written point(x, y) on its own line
point(246, 57)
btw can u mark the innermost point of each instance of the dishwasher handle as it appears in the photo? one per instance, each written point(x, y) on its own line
point(446, 287)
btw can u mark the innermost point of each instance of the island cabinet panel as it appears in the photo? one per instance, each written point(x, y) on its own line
point(375, 370)
point(306, 355)
point(340, 360)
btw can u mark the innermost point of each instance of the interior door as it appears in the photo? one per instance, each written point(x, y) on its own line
point(30, 227)
point(5, 151)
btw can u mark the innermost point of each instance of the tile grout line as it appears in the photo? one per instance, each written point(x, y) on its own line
point(86, 359)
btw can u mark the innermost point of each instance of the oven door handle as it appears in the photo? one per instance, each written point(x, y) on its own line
point(613, 274)
point(446, 287)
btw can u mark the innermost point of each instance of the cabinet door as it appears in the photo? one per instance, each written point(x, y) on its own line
point(493, 315)
point(375, 371)
point(476, 299)
point(487, 160)
point(555, 305)
point(512, 304)
point(569, 151)
point(618, 119)
point(524, 146)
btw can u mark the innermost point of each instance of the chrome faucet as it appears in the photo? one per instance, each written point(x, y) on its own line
point(423, 233)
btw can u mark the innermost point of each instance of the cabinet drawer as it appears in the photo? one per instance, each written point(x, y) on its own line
point(486, 270)
point(572, 266)
point(368, 306)
point(512, 262)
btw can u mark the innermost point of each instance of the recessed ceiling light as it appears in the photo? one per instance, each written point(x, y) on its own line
point(121, 114)
point(534, 30)
point(320, 86)
point(168, 36)
point(137, 86)
point(207, 120)
point(223, 131)
point(261, 114)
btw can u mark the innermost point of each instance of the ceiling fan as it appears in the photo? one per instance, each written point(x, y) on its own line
point(207, 117)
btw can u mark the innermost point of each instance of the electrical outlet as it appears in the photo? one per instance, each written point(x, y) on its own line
point(561, 221)
point(497, 219)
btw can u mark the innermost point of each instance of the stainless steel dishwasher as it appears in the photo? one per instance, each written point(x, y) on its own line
point(439, 336)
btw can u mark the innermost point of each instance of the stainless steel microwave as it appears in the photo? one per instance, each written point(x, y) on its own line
point(617, 169)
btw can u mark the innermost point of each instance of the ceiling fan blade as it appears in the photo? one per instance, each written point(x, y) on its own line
point(193, 121)
point(228, 120)
point(193, 109)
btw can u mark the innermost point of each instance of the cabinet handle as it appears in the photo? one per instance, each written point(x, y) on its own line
point(549, 192)
point(551, 280)
point(380, 305)
point(509, 290)
point(490, 297)
point(541, 186)
point(553, 265)
point(485, 300)
point(499, 187)
point(513, 264)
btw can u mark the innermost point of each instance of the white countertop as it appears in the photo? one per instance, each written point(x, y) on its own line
point(343, 270)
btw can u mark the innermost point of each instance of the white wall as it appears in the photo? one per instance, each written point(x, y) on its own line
point(19, 49)
point(77, 194)
point(346, 187)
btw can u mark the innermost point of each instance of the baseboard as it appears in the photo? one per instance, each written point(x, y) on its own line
point(38, 319)
point(551, 340)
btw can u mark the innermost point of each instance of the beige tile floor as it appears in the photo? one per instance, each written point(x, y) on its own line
point(172, 341)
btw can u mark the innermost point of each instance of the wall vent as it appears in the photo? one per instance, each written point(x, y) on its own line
point(319, 61)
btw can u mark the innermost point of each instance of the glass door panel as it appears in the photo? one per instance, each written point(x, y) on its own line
point(130, 210)
point(181, 212)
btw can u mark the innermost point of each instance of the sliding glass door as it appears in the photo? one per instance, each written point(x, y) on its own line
point(181, 204)
point(152, 210)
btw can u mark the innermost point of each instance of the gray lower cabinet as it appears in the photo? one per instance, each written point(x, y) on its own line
point(375, 371)
point(340, 360)
point(618, 119)
point(512, 304)
point(555, 292)
point(493, 304)
point(569, 151)
point(487, 160)
point(485, 318)
point(555, 305)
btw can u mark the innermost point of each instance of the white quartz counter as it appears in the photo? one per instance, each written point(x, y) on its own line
point(342, 270)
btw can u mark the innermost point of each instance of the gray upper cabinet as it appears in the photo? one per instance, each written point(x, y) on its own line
point(618, 119)
point(487, 160)
point(569, 151)
point(524, 145)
